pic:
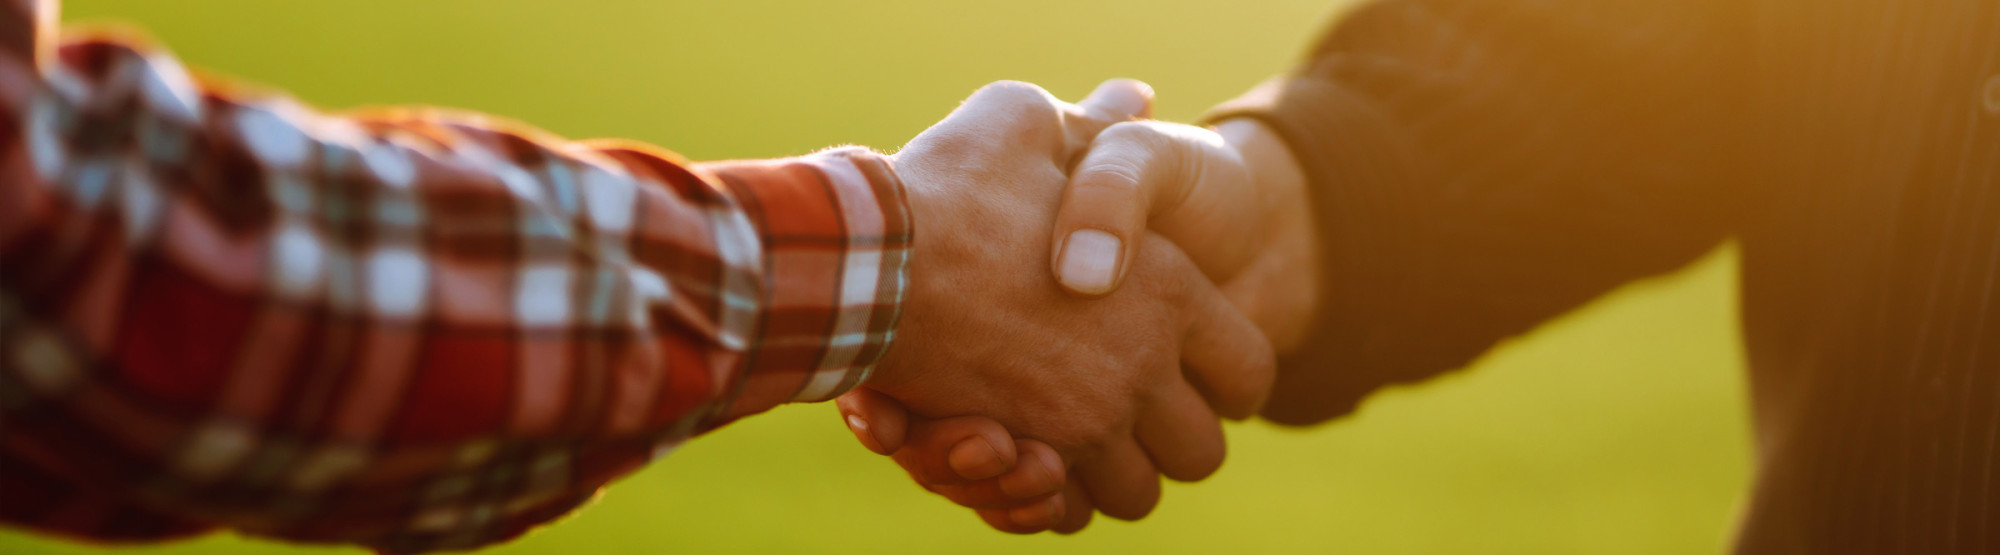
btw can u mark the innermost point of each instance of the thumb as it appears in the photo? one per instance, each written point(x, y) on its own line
point(881, 423)
point(1180, 180)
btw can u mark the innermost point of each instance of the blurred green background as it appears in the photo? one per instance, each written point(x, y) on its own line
point(1618, 429)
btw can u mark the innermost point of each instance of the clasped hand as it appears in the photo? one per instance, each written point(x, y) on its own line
point(1089, 293)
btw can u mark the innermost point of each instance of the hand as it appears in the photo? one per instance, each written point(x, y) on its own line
point(1241, 178)
point(1012, 483)
point(1101, 382)
point(1233, 199)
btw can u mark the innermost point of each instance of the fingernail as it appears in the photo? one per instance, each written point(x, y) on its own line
point(860, 427)
point(975, 459)
point(1089, 261)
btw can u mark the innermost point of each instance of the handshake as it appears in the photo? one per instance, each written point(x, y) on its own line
point(1181, 255)
point(585, 305)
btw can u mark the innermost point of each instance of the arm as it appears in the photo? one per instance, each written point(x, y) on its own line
point(1441, 175)
point(1476, 168)
point(407, 329)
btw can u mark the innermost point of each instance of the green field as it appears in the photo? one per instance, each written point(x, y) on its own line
point(1619, 429)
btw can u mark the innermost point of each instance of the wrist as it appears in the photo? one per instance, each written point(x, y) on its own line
point(921, 203)
point(829, 236)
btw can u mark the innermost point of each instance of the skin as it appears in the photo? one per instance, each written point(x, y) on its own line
point(1278, 286)
point(1100, 396)
point(1234, 195)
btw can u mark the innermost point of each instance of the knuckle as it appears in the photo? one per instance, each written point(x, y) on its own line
point(1012, 88)
point(1015, 95)
point(1111, 172)
point(1010, 113)
point(1124, 152)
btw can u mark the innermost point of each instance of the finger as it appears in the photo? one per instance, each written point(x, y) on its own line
point(1029, 518)
point(1077, 508)
point(985, 494)
point(1119, 100)
point(1039, 471)
point(876, 419)
point(997, 519)
point(1228, 359)
point(1038, 474)
point(956, 450)
point(1180, 434)
point(1038, 516)
point(1121, 481)
point(1180, 180)
point(1113, 101)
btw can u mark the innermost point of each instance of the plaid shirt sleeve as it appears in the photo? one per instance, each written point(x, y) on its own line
point(411, 330)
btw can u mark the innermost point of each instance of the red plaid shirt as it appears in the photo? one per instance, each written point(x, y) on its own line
point(408, 329)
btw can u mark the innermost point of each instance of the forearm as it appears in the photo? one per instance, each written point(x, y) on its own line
point(1477, 168)
point(241, 311)
point(836, 232)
